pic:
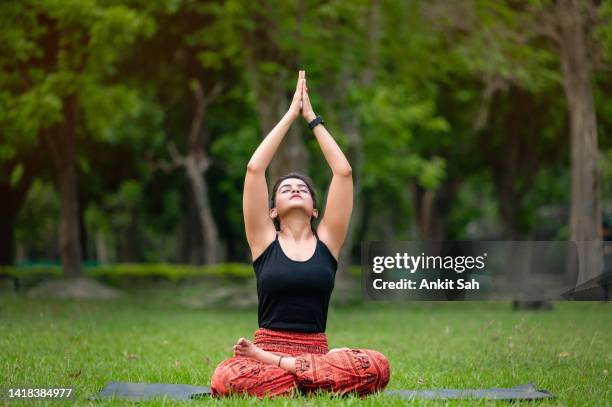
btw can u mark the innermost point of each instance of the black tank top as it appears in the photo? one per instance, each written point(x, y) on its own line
point(294, 295)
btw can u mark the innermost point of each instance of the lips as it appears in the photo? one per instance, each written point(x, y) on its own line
point(295, 196)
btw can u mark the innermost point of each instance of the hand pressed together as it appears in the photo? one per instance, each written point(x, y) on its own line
point(300, 104)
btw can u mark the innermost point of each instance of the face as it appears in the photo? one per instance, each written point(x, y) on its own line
point(293, 193)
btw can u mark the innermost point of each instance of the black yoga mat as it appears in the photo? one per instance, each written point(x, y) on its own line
point(527, 391)
point(144, 391)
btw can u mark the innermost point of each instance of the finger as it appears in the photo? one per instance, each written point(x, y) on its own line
point(301, 93)
point(298, 88)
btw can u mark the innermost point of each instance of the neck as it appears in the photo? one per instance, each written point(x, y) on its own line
point(296, 227)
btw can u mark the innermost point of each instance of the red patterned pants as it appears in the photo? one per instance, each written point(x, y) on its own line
point(362, 371)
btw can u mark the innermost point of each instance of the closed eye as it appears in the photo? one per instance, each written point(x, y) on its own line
point(303, 190)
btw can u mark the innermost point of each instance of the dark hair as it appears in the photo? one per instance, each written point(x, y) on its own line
point(309, 184)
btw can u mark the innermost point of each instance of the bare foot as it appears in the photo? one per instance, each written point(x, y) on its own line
point(246, 348)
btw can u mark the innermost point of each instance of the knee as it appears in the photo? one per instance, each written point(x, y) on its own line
point(218, 382)
point(383, 369)
point(244, 376)
point(221, 379)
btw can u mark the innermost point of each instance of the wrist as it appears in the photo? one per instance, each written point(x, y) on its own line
point(291, 115)
point(310, 117)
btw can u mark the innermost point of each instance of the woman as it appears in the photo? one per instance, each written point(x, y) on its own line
point(295, 264)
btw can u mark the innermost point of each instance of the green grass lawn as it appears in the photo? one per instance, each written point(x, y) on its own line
point(430, 345)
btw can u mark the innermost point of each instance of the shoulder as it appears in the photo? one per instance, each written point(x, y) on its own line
point(331, 245)
point(264, 241)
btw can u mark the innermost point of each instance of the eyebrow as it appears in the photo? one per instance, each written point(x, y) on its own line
point(288, 185)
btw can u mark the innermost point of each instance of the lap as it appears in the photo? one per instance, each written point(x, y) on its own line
point(339, 369)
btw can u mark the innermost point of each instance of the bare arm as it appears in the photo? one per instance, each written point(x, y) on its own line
point(334, 225)
point(259, 227)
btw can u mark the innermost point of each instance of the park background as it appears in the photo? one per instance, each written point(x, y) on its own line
point(126, 126)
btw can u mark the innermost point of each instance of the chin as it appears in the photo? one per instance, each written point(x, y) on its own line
point(299, 206)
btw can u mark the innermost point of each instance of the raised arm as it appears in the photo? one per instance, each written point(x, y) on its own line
point(260, 231)
point(334, 224)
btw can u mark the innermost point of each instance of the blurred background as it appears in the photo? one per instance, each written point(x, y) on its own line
point(126, 126)
point(125, 131)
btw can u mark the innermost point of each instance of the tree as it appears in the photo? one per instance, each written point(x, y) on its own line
point(186, 64)
point(56, 62)
point(567, 25)
point(524, 40)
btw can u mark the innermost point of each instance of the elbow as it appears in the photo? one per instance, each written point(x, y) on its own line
point(346, 172)
point(252, 168)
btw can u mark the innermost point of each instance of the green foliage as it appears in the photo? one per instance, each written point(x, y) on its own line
point(392, 115)
point(475, 212)
point(117, 272)
point(37, 222)
point(603, 32)
point(108, 107)
point(606, 181)
point(16, 174)
point(413, 77)
point(65, 48)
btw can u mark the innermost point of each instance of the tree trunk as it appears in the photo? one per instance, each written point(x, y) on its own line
point(513, 147)
point(133, 237)
point(82, 229)
point(190, 237)
point(196, 163)
point(207, 223)
point(63, 151)
point(510, 207)
point(101, 248)
point(7, 232)
point(11, 202)
point(432, 208)
point(585, 211)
